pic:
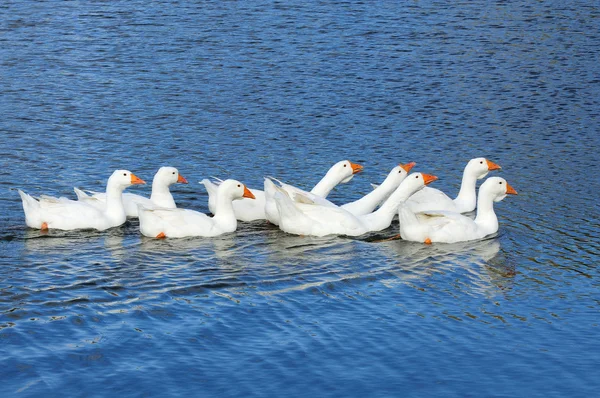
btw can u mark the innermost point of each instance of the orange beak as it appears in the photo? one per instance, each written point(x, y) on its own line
point(136, 180)
point(510, 190)
point(181, 179)
point(408, 166)
point(356, 168)
point(428, 178)
point(492, 165)
point(247, 193)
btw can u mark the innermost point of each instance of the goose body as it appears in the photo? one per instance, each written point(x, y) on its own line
point(161, 195)
point(181, 223)
point(466, 201)
point(245, 209)
point(61, 213)
point(450, 227)
point(341, 172)
point(301, 217)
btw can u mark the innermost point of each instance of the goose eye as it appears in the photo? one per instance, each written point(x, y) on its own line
point(239, 186)
point(416, 176)
point(481, 162)
point(345, 165)
point(125, 174)
point(173, 173)
point(399, 171)
point(500, 183)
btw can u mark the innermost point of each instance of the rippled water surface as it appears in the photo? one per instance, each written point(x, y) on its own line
point(254, 88)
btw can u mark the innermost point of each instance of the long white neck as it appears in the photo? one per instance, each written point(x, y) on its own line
point(114, 203)
point(382, 218)
point(486, 217)
point(369, 202)
point(324, 187)
point(161, 196)
point(224, 214)
point(467, 196)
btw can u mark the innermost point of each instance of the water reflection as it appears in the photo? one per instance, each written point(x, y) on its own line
point(80, 243)
point(481, 262)
point(220, 248)
point(114, 244)
point(269, 256)
point(282, 248)
point(56, 241)
point(417, 252)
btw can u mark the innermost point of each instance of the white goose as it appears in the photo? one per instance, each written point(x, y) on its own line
point(340, 173)
point(364, 205)
point(369, 202)
point(245, 209)
point(317, 220)
point(181, 223)
point(62, 213)
point(450, 227)
point(434, 199)
point(160, 197)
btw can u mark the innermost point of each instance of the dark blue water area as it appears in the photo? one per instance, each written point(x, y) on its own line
point(250, 89)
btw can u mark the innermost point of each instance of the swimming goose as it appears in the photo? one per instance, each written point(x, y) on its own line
point(245, 209)
point(302, 217)
point(450, 227)
point(434, 199)
point(181, 223)
point(160, 197)
point(62, 213)
point(341, 172)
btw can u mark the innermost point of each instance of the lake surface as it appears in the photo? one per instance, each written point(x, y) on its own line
point(256, 88)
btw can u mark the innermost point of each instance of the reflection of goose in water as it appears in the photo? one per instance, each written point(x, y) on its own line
point(113, 242)
point(295, 263)
point(486, 249)
point(58, 241)
point(482, 260)
point(286, 249)
point(198, 266)
point(69, 242)
point(193, 248)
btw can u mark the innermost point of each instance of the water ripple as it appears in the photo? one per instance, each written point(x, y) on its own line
point(251, 89)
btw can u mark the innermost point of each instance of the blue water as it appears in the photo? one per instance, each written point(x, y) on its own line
point(255, 88)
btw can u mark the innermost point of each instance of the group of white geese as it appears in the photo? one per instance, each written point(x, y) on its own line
point(425, 214)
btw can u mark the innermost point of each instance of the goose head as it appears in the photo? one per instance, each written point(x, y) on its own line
point(234, 190)
point(167, 176)
point(416, 181)
point(497, 187)
point(399, 173)
point(480, 167)
point(122, 179)
point(344, 170)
